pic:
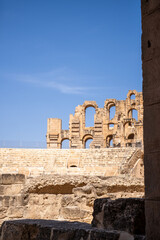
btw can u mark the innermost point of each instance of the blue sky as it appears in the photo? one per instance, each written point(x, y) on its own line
point(55, 54)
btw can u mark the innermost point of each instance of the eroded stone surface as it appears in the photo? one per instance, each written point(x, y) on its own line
point(62, 197)
point(54, 230)
point(89, 162)
point(120, 214)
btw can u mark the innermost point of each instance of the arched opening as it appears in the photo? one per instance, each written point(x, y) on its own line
point(112, 111)
point(73, 166)
point(131, 136)
point(109, 141)
point(88, 142)
point(133, 113)
point(89, 116)
point(110, 126)
point(132, 96)
point(65, 144)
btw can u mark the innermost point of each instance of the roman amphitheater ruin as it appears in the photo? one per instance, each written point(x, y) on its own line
point(62, 184)
point(122, 128)
point(120, 219)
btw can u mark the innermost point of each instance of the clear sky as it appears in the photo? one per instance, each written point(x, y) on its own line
point(55, 54)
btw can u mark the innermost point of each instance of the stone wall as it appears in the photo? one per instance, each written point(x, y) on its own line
point(151, 93)
point(91, 162)
point(63, 184)
point(121, 130)
point(11, 200)
point(60, 197)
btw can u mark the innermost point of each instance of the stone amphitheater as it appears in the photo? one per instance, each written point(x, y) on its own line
point(62, 184)
point(119, 219)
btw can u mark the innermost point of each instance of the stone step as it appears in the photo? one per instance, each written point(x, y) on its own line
point(58, 230)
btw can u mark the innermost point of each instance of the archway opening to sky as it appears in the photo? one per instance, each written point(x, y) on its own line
point(88, 142)
point(112, 112)
point(65, 144)
point(89, 116)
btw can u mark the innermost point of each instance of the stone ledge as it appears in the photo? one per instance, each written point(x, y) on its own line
point(8, 179)
point(56, 230)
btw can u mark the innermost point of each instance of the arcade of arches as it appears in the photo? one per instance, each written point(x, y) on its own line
point(118, 124)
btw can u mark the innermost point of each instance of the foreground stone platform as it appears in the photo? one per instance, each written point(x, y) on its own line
point(58, 230)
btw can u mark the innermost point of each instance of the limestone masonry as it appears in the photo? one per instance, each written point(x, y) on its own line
point(62, 184)
point(123, 129)
point(90, 162)
point(61, 197)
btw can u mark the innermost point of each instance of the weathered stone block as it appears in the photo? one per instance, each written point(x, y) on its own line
point(1, 190)
point(12, 189)
point(20, 178)
point(8, 179)
point(6, 200)
point(120, 214)
point(3, 212)
point(55, 230)
point(15, 212)
point(74, 213)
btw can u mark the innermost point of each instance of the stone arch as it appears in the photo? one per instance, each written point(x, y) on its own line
point(66, 143)
point(132, 96)
point(111, 105)
point(130, 140)
point(86, 138)
point(131, 136)
point(109, 141)
point(87, 104)
point(133, 113)
point(110, 126)
point(126, 126)
point(89, 116)
point(130, 93)
point(112, 112)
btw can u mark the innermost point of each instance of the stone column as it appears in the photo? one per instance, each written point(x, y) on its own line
point(151, 94)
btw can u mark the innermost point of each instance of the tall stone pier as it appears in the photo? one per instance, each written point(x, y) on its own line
point(151, 91)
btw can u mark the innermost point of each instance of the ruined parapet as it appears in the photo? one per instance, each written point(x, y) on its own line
point(54, 126)
point(124, 129)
